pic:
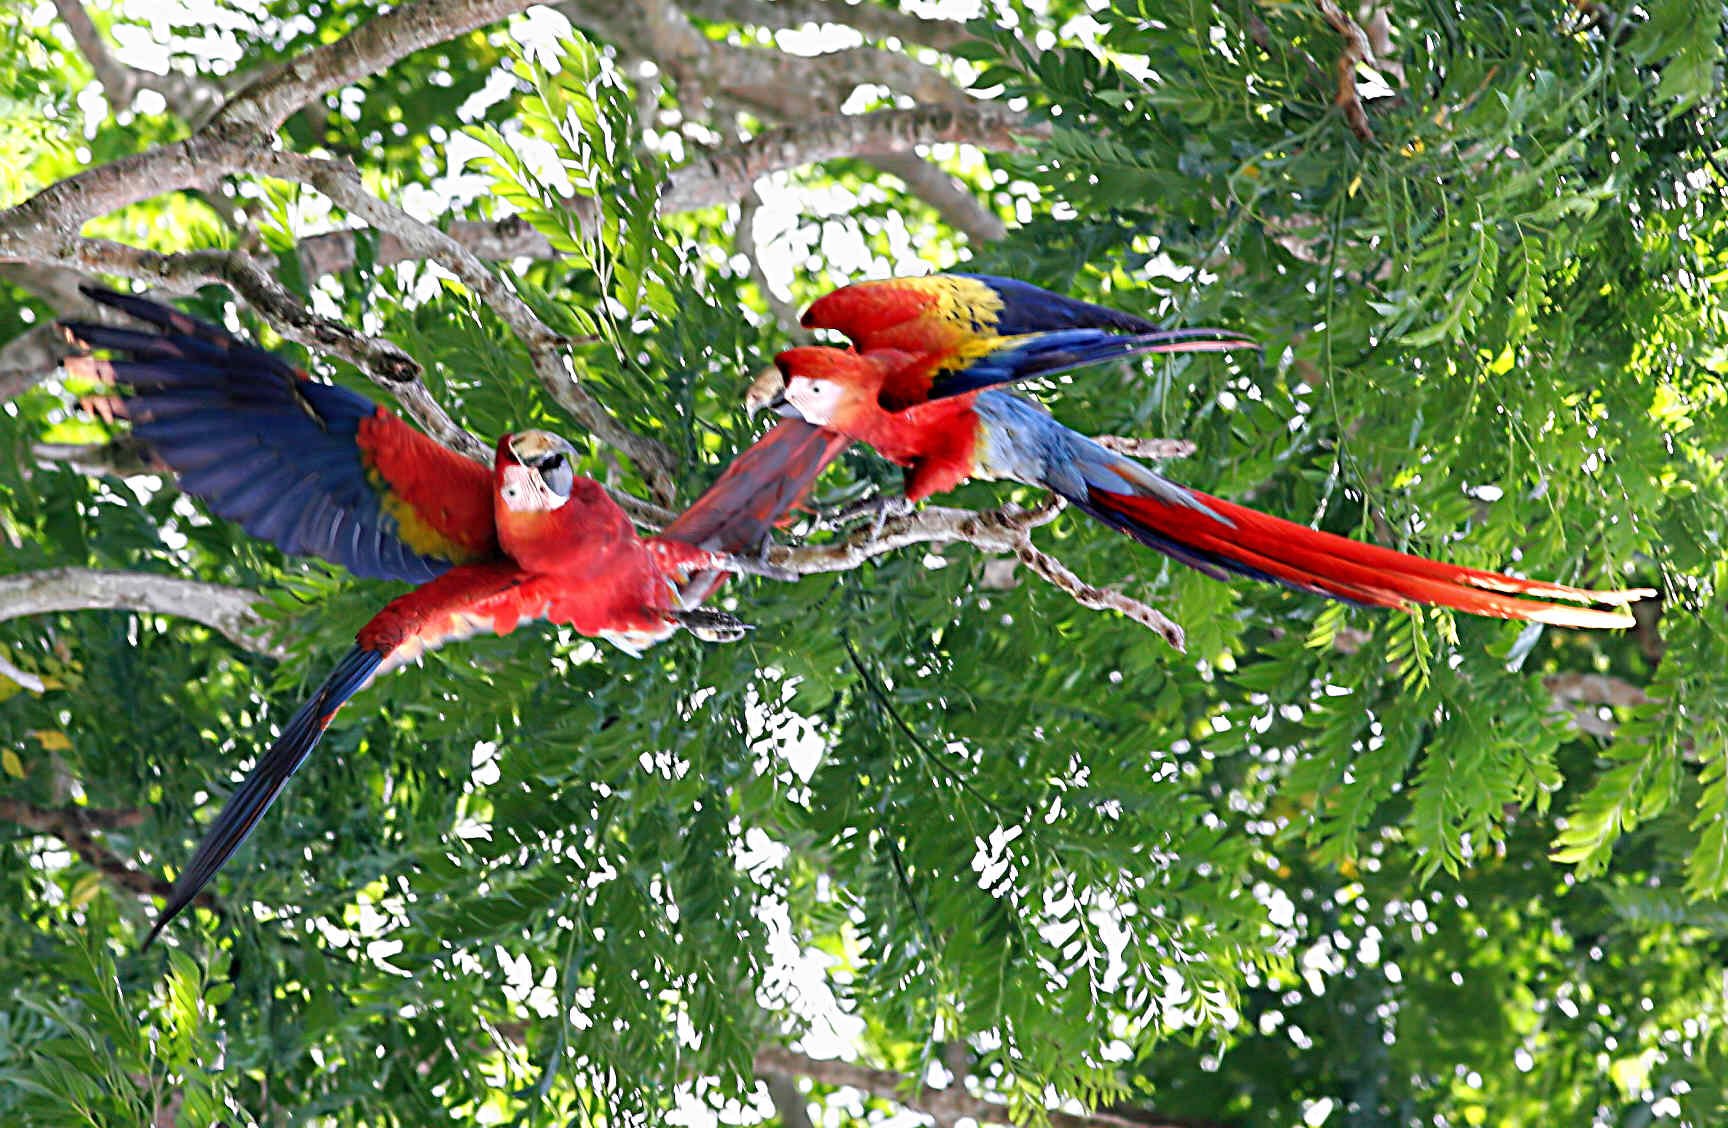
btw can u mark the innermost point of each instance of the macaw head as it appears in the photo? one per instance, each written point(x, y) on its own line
point(535, 471)
point(826, 386)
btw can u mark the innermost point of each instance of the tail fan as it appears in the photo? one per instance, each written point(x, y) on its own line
point(1219, 536)
point(254, 796)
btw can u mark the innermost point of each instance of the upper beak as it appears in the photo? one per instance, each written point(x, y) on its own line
point(768, 390)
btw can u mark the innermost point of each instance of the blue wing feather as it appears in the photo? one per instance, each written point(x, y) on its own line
point(260, 443)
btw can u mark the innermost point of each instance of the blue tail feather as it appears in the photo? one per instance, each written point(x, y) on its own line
point(253, 797)
point(1046, 354)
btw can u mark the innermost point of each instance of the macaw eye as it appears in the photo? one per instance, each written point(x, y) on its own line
point(555, 471)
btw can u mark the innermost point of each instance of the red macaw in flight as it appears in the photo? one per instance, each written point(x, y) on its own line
point(919, 386)
point(319, 470)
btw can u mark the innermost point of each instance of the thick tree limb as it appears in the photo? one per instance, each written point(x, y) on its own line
point(1008, 529)
point(74, 827)
point(786, 87)
point(945, 1105)
point(266, 103)
point(250, 118)
point(226, 610)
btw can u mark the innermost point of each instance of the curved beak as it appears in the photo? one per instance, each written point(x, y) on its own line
point(768, 391)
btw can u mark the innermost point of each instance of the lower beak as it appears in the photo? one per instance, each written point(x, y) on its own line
point(780, 405)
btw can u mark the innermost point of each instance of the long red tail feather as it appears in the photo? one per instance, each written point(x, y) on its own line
point(1363, 573)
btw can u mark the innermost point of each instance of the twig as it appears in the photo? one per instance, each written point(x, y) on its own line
point(1007, 529)
point(1146, 448)
point(226, 610)
point(953, 201)
point(1356, 51)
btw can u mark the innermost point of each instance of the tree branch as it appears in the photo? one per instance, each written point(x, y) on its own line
point(725, 175)
point(190, 97)
point(953, 201)
point(784, 310)
point(1007, 529)
point(74, 827)
point(226, 610)
point(341, 183)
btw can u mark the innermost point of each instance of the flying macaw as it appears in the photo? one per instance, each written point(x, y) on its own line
point(919, 386)
point(319, 470)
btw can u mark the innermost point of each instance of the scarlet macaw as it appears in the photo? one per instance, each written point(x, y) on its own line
point(917, 386)
point(322, 471)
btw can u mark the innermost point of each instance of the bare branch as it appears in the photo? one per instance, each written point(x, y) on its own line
point(245, 122)
point(74, 827)
point(373, 47)
point(945, 1105)
point(1146, 448)
point(786, 87)
point(958, 206)
point(722, 176)
point(1007, 529)
point(725, 175)
point(226, 610)
point(505, 239)
point(190, 97)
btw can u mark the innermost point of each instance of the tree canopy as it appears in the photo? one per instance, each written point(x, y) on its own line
point(950, 834)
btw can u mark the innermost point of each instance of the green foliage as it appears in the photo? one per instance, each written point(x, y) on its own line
point(1331, 862)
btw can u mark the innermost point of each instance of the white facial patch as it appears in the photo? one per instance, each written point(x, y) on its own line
point(816, 400)
point(524, 492)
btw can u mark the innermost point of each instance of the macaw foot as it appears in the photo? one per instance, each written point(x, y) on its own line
point(879, 509)
point(755, 565)
point(710, 625)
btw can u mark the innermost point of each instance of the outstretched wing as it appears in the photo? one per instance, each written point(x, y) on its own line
point(467, 599)
point(962, 332)
point(311, 467)
point(756, 491)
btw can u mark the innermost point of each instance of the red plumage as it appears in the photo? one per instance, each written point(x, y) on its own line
point(919, 387)
point(318, 469)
